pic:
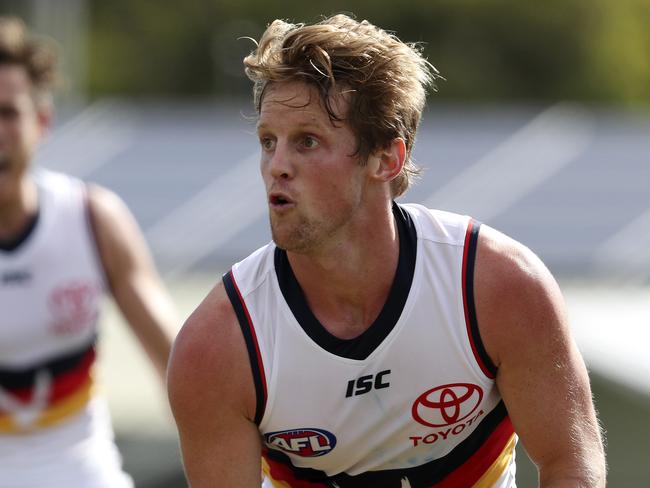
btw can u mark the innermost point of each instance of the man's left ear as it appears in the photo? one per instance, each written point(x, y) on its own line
point(391, 159)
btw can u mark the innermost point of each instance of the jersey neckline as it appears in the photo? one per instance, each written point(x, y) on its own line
point(362, 346)
point(12, 244)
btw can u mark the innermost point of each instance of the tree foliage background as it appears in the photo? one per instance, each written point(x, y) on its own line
point(487, 50)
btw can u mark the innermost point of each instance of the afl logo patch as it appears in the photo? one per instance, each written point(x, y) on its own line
point(302, 442)
point(447, 404)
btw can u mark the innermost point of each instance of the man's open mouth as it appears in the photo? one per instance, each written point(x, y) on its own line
point(279, 200)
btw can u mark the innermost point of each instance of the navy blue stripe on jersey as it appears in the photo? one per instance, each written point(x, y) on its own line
point(251, 344)
point(427, 474)
point(362, 346)
point(14, 379)
point(469, 260)
point(10, 245)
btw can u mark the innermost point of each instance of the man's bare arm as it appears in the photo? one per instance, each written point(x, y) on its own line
point(211, 392)
point(541, 374)
point(132, 277)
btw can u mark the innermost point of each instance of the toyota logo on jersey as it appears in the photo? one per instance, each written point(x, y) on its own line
point(447, 404)
point(302, 442)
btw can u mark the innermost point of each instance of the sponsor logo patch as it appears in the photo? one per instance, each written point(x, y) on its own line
point(447, 404)
point(302, 442)
point(16, 277)
point(366, 383)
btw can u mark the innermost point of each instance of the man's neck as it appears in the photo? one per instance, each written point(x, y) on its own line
point(347, 285)
point(18, 209)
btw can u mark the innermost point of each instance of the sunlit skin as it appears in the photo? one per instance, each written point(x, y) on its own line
point(23, 123)
point(314, 181)
point(326, 207)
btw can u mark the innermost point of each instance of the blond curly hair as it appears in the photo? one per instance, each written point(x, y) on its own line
point(386, 79)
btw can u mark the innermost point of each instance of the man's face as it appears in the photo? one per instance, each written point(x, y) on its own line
point(22, 126)
point(314, 182)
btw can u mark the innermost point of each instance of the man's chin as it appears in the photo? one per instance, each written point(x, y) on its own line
point(282, 243)
point(293, 246)
point(298, 238)
point(287, 243)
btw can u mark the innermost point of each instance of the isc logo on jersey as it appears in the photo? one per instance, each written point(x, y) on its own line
point(302, 442)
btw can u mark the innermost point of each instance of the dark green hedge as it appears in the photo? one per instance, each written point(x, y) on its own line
point(591, 50)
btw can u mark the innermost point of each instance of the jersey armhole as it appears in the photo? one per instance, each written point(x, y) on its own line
point(469, 259)
point(254, 354)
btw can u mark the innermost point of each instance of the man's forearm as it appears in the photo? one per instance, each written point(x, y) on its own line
point(592, 478)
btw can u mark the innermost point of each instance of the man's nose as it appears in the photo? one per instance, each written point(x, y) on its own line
point(281, 162)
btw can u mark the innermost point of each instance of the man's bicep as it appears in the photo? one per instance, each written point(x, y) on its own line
point(212, 397)
point(541, 374)
point(219, 452)
point(133, 280)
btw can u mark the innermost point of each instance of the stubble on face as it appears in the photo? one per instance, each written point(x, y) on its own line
point(304, 232)
point(299, 237)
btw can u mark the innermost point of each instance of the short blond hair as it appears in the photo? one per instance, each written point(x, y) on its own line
point(37, 55)
point(386, 79)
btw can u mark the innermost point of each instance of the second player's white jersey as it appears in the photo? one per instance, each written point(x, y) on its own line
point(54, 431)
point(53, 282)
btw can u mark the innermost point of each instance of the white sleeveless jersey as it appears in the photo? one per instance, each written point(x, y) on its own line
point(52, 433)
point(412, 402)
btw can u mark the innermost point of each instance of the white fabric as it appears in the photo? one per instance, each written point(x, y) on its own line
point(52, 312)
point(53, 309)
point(78, 452)
point(427, 348)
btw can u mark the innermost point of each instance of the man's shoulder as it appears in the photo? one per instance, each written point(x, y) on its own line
point(205, 336)
point(212, 316)
point(209, 350)
point(516, 295)
point(215, 316)
point(506, 260)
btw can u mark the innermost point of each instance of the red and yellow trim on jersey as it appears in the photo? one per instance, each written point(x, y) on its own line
point(70, 390)
point(483, 468)
point(282, 475)
point(477, 462)
point(53, 414)
point(499, 466)
point(469, 257)
point(252, 344)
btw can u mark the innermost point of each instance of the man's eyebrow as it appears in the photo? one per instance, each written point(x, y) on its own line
point(300, 126)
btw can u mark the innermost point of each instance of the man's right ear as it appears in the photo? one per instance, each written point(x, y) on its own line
point(391, 159)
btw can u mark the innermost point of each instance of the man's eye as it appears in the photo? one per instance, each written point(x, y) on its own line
point(267, 143)
point(8, 113)
point(310, 142)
